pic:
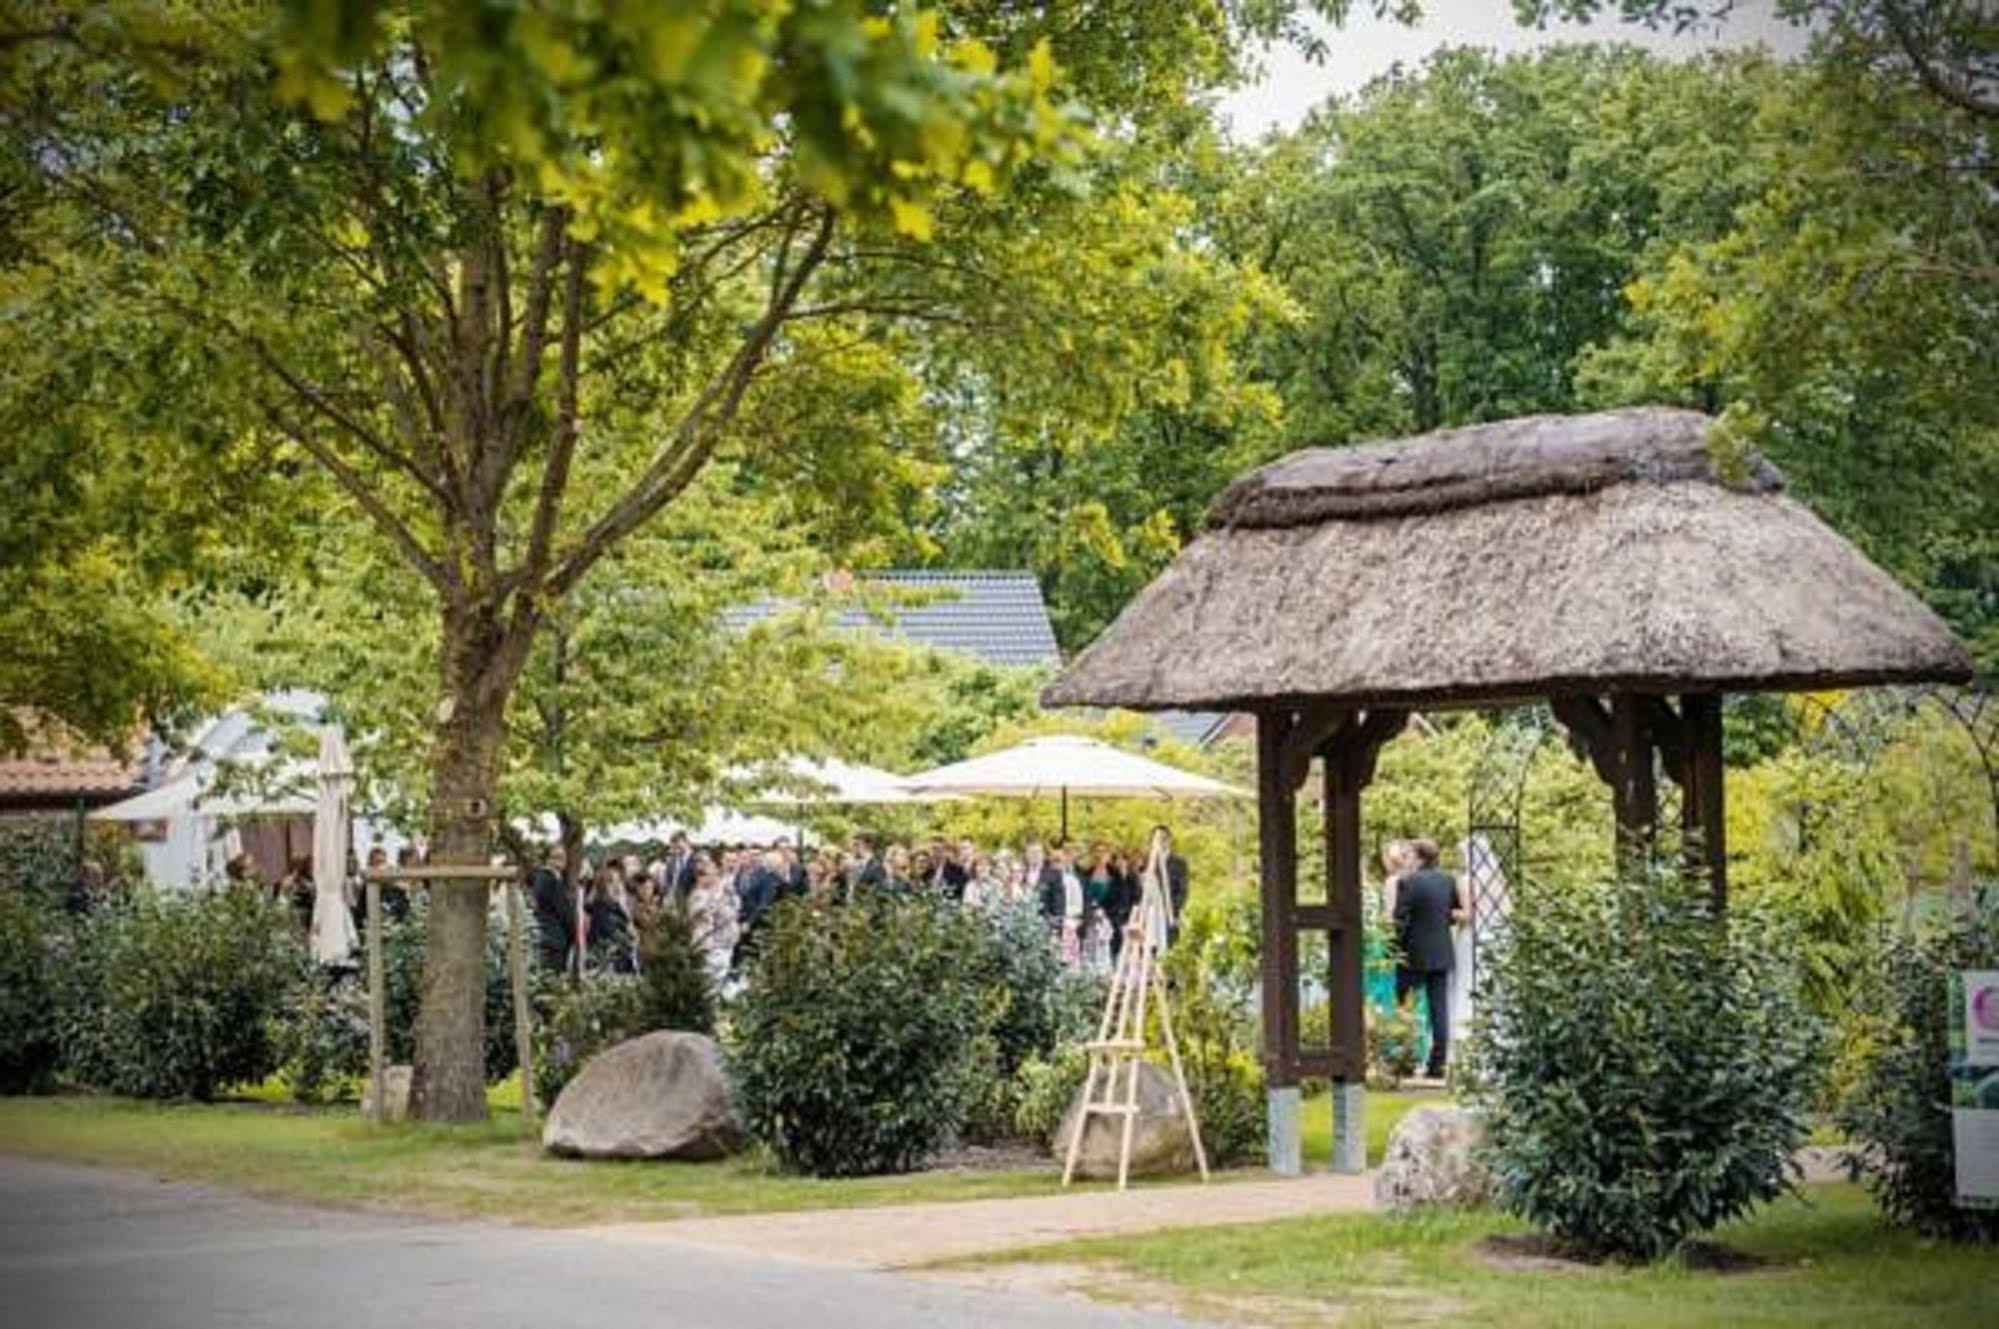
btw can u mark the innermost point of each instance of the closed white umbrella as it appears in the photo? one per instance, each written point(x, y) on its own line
point(1066, 764)
point(333, 936)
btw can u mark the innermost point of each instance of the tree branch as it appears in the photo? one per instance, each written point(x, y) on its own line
point(568, 426)
point(676, 465)
point(1959, 94)
point(371, 503)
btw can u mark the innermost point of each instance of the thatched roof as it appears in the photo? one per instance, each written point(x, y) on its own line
point(1531, 557)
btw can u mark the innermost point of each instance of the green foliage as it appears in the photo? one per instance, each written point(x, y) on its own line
point(31, 942)
point(676, 989)
point(178, 996)
point(574, 1023)
point(322, 1037)
point(38, 857)
point(853, 1038)
point(1392, 1042)
point(1210, 970)
point(1645, 1067)
point(1044, 1087)
point(1896, 1071)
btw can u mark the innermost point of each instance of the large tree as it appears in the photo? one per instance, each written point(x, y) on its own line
point(440, 259)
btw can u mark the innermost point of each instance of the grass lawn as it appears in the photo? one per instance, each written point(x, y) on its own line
point(333, 1155)
point(1383, 1111)
point(268, 1146)
point(1831, 1262)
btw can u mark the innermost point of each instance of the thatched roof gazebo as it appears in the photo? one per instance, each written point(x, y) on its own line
point(1619, 564)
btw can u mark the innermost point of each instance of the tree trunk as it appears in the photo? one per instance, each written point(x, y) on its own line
point(449, 1082)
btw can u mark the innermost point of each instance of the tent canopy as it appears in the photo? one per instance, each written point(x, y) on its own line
point(1067, 763)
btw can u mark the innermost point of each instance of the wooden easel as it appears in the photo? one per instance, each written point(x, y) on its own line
point(1119, 1048)
point(509, 880)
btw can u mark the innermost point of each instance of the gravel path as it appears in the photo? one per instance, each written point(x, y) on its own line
point(898, 1236)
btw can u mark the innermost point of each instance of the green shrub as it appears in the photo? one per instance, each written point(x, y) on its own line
point(178, 996)
point(31, 941)
point(1644, 1068)
point(1898, 1090)
point(851, 1042)
point(573, 1023)
point(1043, 1090)
point(678, 992)
point(673, 990)
point(1392, 1041)
point(38, 857)
point(1214, 1016)
point(322, 1037)
point(1028, 990)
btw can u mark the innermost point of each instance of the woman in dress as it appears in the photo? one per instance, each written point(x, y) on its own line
point(712, 910)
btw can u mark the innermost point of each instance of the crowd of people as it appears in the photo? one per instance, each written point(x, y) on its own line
point(592, 919)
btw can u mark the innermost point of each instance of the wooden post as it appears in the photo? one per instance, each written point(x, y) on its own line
point(377, 1009)
point(1278, 849)
point(1634, 791)
point(1703, 806)
point(517, 973)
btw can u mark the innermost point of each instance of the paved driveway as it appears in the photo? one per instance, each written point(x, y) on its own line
point(82, 1248)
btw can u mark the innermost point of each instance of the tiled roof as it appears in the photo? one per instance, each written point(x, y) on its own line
point(997, 617)
point(91, 775)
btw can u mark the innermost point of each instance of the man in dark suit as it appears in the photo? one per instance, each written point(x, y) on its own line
point(679, 867)
point(1044, 884)
point(554, 911)
point(1427, 902)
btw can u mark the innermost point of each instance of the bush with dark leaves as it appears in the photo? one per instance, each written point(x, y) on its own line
point(1645, 1067)
point(852, 1041)
point(32, 939)
point(1898, 1088)
point(178, 996)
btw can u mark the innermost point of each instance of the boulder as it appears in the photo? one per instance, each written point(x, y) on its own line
point(1160, 1141)
point(661, 1095)
point(1431, 1160)
point(395, 1094)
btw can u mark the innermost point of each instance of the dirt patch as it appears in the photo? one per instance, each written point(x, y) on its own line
point(1114, 1284)
point(1010, 1157)
point(1535, 1252)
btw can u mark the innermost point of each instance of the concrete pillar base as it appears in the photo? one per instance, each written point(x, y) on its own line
point(1287, 1150)
point(1349, 1126)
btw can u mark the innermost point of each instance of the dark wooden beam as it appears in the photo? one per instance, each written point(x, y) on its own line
point(1308, 732)
point(1278, 853)
point(1344, 762)
point(1703, 808)
point(1590, 734)
point(1666, 729)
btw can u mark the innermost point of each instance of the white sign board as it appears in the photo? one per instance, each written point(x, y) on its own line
point(1974, 1078)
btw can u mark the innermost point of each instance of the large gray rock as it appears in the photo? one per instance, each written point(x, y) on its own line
point(1160, 1141)
point(1432, 1160)
point(661, 1095)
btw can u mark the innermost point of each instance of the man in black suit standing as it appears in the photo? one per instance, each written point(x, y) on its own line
point(554, 911)
point(1043, 884)
point(679, 867)
point(1427, 902)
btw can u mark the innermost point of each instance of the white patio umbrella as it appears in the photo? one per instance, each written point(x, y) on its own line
point(333, 936)
point(832, 781)
point(1066, 764)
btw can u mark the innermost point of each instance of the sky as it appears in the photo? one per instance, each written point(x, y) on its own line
point(1367, 46)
